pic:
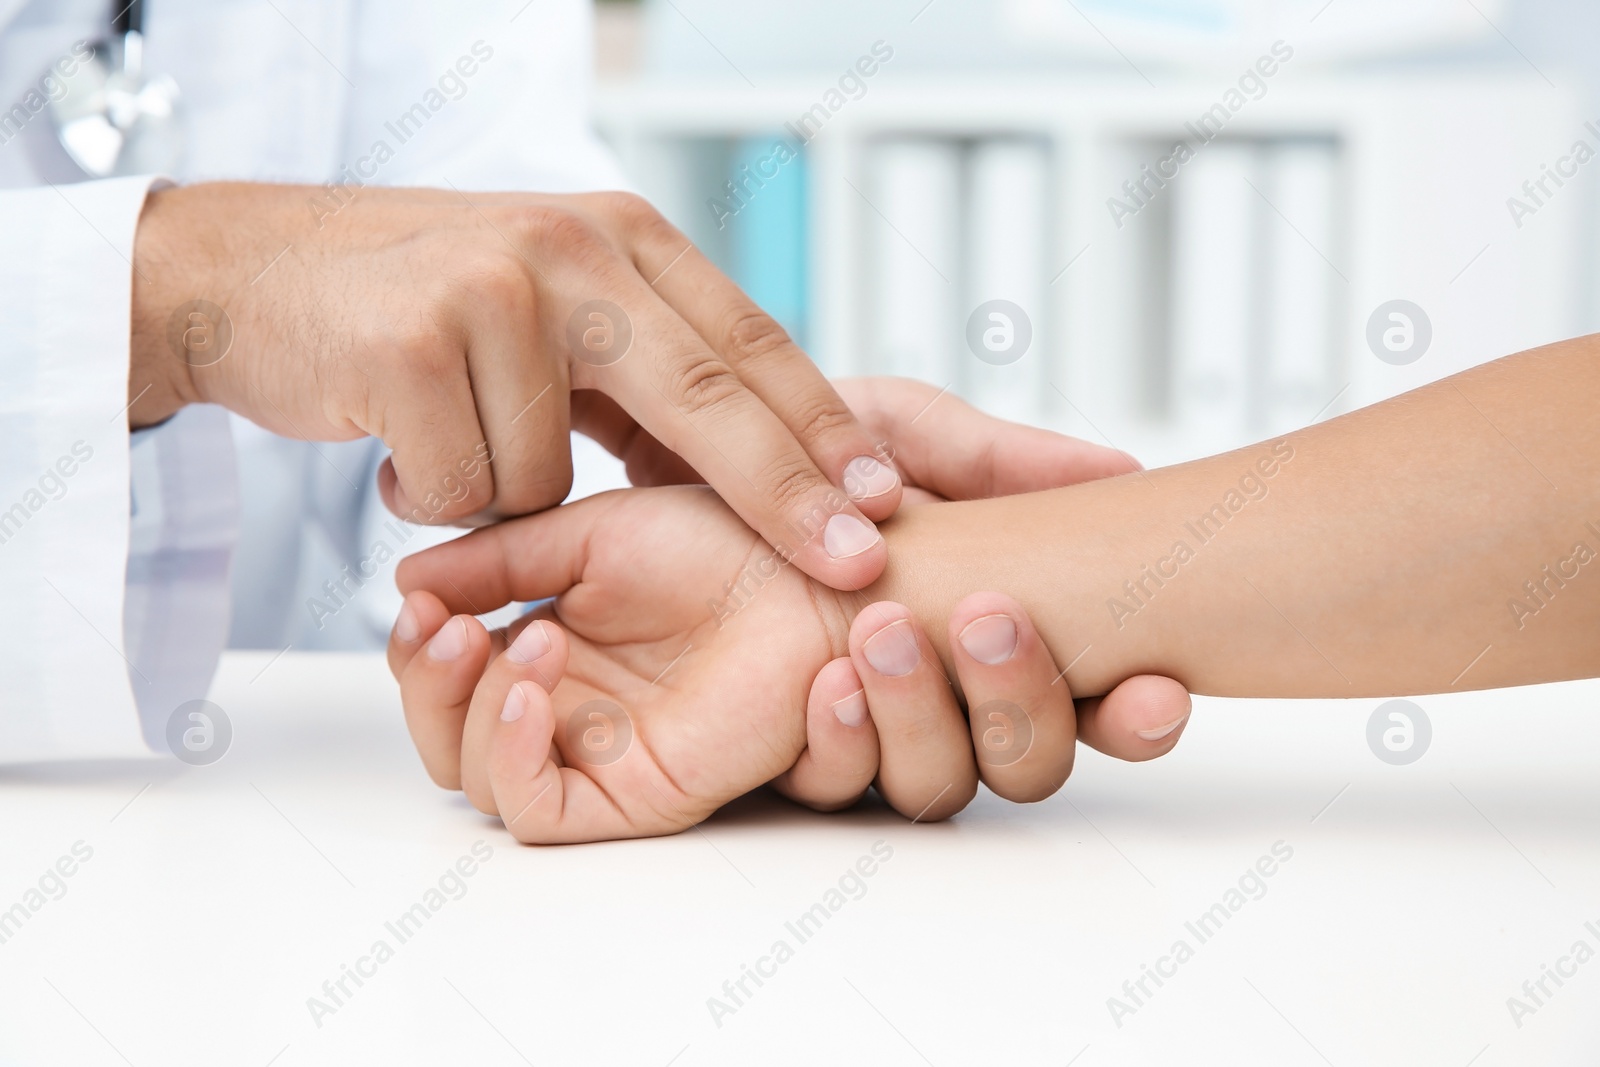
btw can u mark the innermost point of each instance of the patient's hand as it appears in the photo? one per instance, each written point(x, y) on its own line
point(662, 700)
point(712, 686)
point(908, 735)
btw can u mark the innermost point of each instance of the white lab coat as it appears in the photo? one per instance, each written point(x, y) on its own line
point(117, 554)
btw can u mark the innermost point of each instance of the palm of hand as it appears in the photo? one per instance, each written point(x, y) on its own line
point(700, 645)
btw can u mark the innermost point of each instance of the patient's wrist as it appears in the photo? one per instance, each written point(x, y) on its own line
point(1149, 573)
point(941, 553)
point(1065, 555)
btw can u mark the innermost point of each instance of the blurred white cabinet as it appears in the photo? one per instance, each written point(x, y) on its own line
point(1319, 202)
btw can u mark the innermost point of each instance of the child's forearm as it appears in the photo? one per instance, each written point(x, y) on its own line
point(1448, 538)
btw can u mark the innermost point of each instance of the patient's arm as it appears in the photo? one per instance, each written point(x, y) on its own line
point(914, 742)
point(1445, 539)
point(1383, 552)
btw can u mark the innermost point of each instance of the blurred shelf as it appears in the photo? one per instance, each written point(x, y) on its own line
point(1409, 204)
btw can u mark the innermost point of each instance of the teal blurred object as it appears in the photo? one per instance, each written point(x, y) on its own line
point(767, 238)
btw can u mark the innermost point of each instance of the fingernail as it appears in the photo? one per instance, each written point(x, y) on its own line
point(450, 642)
point(852, 710)
point(991, 639)
point(892, 651)
point(406, 627)
point(1162, 731)
point(530, 644)
point(865, 477)
point(846, 536)
point(516, 703)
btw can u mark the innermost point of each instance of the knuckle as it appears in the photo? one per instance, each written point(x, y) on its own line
point(478, 497)
point(499, 281)
point(549, 226)
point(791, 483)
point(544, 490)
point(461, 483)
point(629, 208)
point(446, 496)
point(703, 383)
point(753, 335)
point(821, 417)
point(421, 347)
point(554, 489)
point(638, 216)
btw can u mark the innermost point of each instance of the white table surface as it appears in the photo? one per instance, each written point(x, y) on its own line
point(219, 899)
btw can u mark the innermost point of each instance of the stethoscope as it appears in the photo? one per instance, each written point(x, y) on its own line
point(112, 120)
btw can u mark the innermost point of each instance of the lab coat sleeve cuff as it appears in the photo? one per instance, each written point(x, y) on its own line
point(65, 305)
point(184, 519)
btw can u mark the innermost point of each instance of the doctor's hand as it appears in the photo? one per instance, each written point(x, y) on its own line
point(943, 447)
point(468, 332)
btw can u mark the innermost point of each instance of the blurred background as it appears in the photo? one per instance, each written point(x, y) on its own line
point(1175, 226)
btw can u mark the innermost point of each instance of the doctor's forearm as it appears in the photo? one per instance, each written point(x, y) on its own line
point(1446, 538)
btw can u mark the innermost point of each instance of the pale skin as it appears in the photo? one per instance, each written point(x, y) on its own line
point(1383, 557)
point(1382, 561)
point(471, 332)
point(913, 739)
point(462, 330)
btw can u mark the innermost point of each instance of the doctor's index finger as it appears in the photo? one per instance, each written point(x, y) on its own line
point(689, 399)
point(635, 348)
point(768, 361)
